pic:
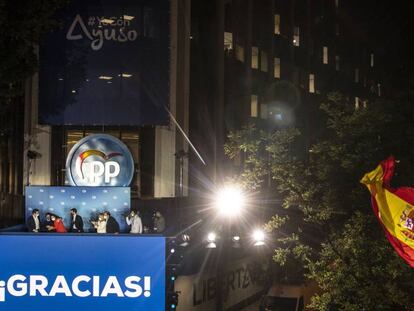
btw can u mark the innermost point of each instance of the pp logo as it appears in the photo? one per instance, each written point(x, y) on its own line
point(100, 160)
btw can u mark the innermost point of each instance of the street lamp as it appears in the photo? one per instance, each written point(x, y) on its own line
point(230, 201)
point(258, 237)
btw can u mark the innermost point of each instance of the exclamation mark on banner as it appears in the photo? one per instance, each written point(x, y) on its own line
point(2, 291)
point(147, 286)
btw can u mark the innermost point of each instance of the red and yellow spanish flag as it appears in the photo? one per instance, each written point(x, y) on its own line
point(394, 208)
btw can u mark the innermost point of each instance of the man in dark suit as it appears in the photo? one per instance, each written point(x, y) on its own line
point(33, 222)
point(112, 226)
point(76, 224)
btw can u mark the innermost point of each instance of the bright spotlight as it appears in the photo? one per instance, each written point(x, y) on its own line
point(211, 237)
point(172, 250)
point(236, 241)
point(211, 240)
point(230, 201)
point(258, 237)
point(185, 239)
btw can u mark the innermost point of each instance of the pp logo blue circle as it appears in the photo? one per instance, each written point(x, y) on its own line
point(100, 160)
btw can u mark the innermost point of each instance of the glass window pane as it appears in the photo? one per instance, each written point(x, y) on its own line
point(228, 41)
point(239, 53)
point(325, 55)
point(296, 36)
point(276, 71)
point(277, 24)
point(311, 83)
point(254, 106)
point(255, 57)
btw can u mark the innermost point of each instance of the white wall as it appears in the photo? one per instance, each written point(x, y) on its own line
point(164, 177)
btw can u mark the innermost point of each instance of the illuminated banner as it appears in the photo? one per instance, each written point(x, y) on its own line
point(100, 160)
point(47, 272)
point(107, 64)
point(89, 201)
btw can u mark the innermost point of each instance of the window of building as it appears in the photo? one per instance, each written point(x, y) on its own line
point(325, 55)
point(372, 60)
point(263, 61)
point(72, 138)
point(239, 53)
point(263, 111)
point(337, 29)
point(254, 105)
point(356, 75)
point(296, 36)
point(336, 4)
point(379, 89)
point(311, 83)
point(356, 103)
point(277, 24)
point(276, 69)
point(228, 41)
point(255, 57)
point(337, 63)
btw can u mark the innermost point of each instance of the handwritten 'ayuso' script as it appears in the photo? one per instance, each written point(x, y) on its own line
point(115, 32)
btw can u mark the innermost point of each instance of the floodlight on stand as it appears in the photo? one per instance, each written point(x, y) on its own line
point(258, 237)
point(184, 240)
point(211, 240)
point(236, 241)
point(230, 201)
point(211, 237)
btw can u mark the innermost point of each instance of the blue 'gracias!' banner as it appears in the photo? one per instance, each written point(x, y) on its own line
point(69, 273)
point(107, 64)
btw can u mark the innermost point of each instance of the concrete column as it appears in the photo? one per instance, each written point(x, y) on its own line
point(170, 141)
point(37, 138)
point(164, 175)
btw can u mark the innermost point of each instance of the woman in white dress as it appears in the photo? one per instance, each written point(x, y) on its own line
point(100, 224)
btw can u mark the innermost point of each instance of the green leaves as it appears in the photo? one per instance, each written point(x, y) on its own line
point(22, 26)
point(330, 231)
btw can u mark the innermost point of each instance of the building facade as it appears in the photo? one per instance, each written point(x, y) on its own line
point(271, 63)
point(232, 63)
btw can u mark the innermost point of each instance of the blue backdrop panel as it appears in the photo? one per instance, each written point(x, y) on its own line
point(70, 256)
point(89, 201)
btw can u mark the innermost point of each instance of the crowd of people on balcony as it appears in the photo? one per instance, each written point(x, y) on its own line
point(105, 223)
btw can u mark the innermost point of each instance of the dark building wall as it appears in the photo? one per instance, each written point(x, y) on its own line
point(206, 89)
point(325, 27)
point(222, 80)
point(11, 162)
